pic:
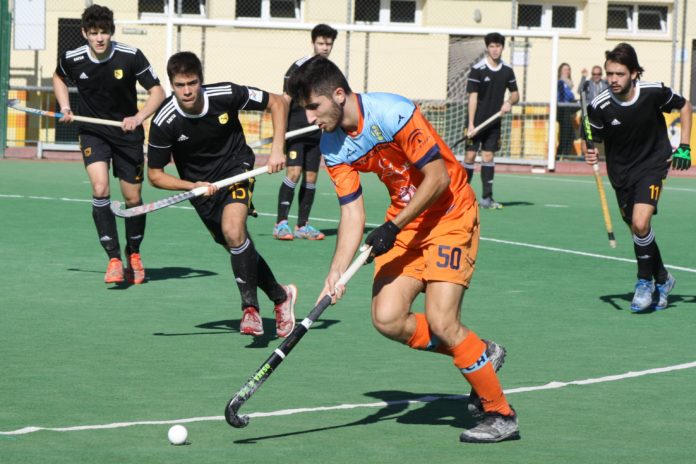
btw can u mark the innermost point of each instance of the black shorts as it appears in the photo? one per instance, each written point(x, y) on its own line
point(128, 160)
point(210, 209)
point(647, 190)
point(305, 154)
point(487, 140)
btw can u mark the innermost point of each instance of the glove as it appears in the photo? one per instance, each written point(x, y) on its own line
point(681, 158)
point(381, 239)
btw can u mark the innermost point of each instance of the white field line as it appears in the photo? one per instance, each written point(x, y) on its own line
point(380, 404)
point(507, 242)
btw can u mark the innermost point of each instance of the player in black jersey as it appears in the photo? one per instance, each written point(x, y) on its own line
point(105, 73)
point(304, 154)
point(629, 118)
point(487, 82)
point(198, 126)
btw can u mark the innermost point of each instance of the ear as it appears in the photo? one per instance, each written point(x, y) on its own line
point(84, 33)
point(339, 95)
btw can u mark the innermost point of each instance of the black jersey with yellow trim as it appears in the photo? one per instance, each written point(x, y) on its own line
point(490, 83)
point(107, 87)
point(634, 132)
point(206, 146)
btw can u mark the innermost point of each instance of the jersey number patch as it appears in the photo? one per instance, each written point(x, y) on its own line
point(449, 257)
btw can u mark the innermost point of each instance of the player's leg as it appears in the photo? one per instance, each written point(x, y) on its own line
point(489, 145)
point(286, 193)
point(96, 155)
point(128, 165)
point(470, 159)
point(303, 229)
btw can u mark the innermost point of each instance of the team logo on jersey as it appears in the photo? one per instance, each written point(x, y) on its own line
point(292, 155)
point(616, 122)
point(118, 73)
point(223, 118)
point(87, 152)
point(377, 132)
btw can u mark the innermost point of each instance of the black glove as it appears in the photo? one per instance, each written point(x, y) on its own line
point(681, 157)
point(382, 239)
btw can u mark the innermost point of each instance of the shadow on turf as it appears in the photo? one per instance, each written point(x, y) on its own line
point(430, 409)
point(229, 326)
point(161, 273)
point(622, 301)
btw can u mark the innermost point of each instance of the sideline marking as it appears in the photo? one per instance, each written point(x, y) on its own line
point(381, 404)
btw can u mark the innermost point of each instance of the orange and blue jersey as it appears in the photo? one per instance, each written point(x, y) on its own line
point(394, 140)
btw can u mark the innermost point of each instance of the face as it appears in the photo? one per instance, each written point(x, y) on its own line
point(620, 79)
point(565, 71)
point(323, 46)
point(187, 91)
point(326, 112)
point(596, 73)
point(98, 40)
point(494, 50)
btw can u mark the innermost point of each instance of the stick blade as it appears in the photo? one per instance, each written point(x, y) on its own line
point(117, 210)
point(13, 102)
point(231, 414)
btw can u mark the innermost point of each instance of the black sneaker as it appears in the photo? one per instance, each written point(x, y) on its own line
point(496, 355)
point(493, 428)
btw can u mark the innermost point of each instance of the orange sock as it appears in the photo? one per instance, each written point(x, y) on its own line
point(470, 357)
point(422, 339)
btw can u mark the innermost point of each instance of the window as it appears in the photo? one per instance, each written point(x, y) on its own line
point(268, 9)
point(387, 11)
point(559, 17)
point(634, 19)
point(182, 7)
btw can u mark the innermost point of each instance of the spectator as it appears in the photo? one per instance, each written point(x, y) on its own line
point(596, 84)
point(565, 113)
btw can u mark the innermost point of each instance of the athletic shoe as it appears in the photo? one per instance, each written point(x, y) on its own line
point(494, 428)
point(251, 322)
point(663, 291)
point(135, 271)
point(308, 232)
point(496, 355)
point(489, 203)
point(282, 231)
point(285, 312)
point(643, 298)
point(114, 272)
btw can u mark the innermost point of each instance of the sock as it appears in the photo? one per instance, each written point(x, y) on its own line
point(244, 266)
point(267, 281)
point(285, 196)
point(469, 168)
point(470, 357)
point(306, 198)
point(423, 339)
point(105, 221)
point(135, 231)
point(659, 272)
point(646, 252)
point(487, 173)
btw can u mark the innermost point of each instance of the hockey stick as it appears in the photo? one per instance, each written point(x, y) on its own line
point(51, 114)
point(477, 129)
point(587, 134)
point(179, 197)
point(267, 368)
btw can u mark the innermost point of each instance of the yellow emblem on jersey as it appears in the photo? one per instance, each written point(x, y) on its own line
point(223, 118)
point(377, 132)
point(118, 73)
point(87, 152)
point(292, 155)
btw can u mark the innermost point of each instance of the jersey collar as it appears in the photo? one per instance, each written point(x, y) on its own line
point(94, 59)
point(636, 94)
point(361, 117)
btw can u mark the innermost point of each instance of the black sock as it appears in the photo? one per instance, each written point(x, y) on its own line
point(646, 254)
point(469, 168)
point(268, 282)
point(135, 231)
point(306, 198)
point(285, 196)
point(105, 221)
point(659, 272)
point(487, 173)
point(244, 266)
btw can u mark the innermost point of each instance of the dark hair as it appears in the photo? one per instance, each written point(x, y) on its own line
point(317, 75)
point(184, 63)
point(98, 17)
point(323, 30)
point(626, 55)
point(561, 67)
point(494, 37)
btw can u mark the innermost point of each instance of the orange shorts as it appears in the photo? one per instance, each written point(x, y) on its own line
point(446, 253)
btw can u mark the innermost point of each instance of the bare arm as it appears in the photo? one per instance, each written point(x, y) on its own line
point(154, 100)
point(685, 113)
point(507, 104)
point(278, 107)
point(473, 104)
point(160, 179)
point(60, 89)
point(435, 182)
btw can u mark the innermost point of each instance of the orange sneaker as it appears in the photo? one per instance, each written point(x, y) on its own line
point(135, 271)
point(251, 322)
point(114, 272)
point(285, 312)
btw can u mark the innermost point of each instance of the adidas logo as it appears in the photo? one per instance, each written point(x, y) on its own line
point(644, 257)
point(616, 122)
point(105, 238)
point(240, 280)
point(487, 79)
point(83, 76)
point(182, 138)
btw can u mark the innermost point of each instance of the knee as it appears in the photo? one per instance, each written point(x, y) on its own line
point(389, 326)
point(641, 229)
point(293, 173)
point(234, 237)
point(311, 177)
point(100, 189)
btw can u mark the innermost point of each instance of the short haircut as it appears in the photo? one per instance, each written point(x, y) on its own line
point(184, 63)
point(323, 30)
point(317, 75)
point(98, 17)
point(494, 37)
point(626, 55)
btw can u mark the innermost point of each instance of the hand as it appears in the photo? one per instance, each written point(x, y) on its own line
point(67, 115)
point(681, 157)
point(212, 188)
point(591, 156)
point(331, 288)
point(276, 162)
point(131, 123)
point(382, 239)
